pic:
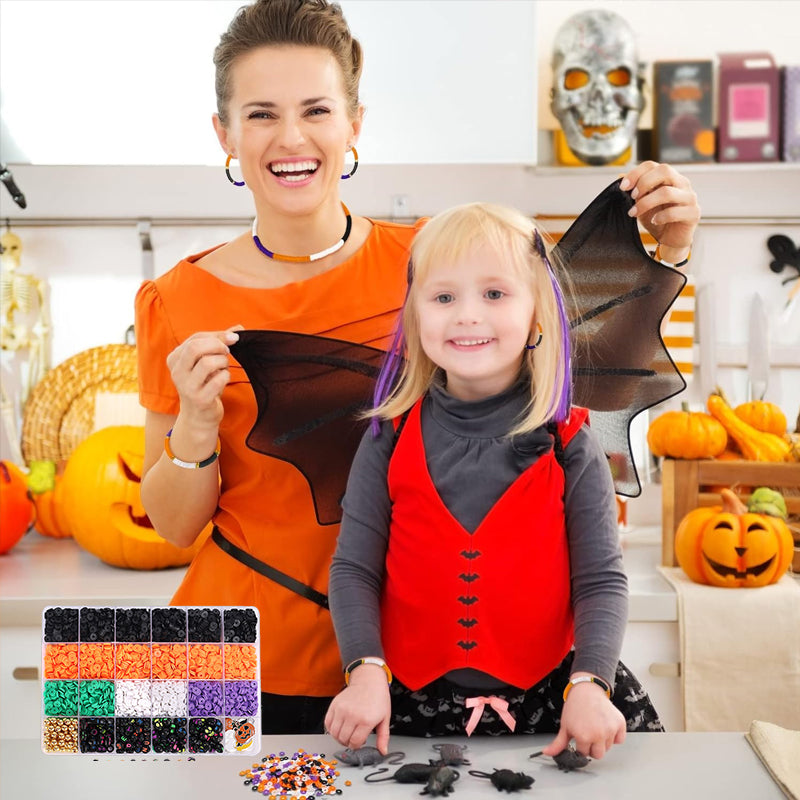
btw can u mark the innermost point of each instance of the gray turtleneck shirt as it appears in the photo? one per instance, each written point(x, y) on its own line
point(472, 462)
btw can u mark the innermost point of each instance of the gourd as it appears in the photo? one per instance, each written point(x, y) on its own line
point(729, 546)
point(103, 506)
point(683, 434)
point(763, 416)
point(16, 509)
point(754, 444)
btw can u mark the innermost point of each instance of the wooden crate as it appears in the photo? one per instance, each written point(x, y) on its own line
point(686, 485)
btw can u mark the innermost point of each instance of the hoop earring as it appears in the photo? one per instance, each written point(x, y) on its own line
point(538, 341)
point(355, 166)
point(228, 172)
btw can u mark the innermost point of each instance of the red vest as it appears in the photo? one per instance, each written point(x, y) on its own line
point(496, 600)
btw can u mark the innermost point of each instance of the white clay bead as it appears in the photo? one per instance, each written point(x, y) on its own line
point(132, 698)
point(169, 698)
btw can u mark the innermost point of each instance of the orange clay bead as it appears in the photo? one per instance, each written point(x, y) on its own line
point(61, 661)
point(169, 661)
point(205, 661)
point(96, 661)
point(240, 661)
point(133, 661)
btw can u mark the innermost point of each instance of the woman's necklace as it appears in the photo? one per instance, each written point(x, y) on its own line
point(314, 256)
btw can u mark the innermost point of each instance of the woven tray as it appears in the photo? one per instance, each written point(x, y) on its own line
point(59, 414)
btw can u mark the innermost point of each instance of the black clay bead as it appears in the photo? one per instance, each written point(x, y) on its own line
point(61, 625)
point(204, 624)
point(133, 624)
point(169, 625)
point(240, 625)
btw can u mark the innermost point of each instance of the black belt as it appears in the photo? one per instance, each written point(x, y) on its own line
point(267, 571)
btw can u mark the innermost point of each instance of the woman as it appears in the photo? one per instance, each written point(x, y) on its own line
point(287, 75)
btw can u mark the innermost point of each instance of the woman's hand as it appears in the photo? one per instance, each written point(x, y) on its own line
point(359, 709)
point(666, 205)
point(199, 370)
point(591, 719)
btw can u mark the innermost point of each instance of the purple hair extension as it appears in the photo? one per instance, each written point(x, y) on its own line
point(562, 395)
point(391, 362)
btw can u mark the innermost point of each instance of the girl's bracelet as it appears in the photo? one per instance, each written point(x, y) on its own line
point(378, 662)
point(188, 464)
point(657, 257)
point(587, 679)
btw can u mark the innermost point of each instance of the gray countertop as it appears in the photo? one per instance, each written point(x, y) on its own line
point(656, 766)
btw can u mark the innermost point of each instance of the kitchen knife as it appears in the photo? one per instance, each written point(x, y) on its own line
point(757, 350)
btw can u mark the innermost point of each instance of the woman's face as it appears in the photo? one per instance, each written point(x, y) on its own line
point(289, 126)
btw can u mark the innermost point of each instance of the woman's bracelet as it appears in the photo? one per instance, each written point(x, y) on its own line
point(587, 679)
point(657, 257)
point(188, 464)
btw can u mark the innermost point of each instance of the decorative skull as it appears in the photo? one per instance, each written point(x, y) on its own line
point(596, 94)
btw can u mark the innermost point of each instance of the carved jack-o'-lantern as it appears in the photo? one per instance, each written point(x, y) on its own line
point(728, 546)
point(102, 506)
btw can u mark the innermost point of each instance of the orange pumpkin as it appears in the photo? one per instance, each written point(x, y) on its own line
point(102, 504)
point(50, 519)
point(683, 434)
point(730, 547)
point(16, 508)
point(763, 416)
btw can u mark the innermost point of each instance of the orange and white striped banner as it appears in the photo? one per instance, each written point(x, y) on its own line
point(678, 330)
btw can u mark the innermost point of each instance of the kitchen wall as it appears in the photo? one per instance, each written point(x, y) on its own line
point(80, 230)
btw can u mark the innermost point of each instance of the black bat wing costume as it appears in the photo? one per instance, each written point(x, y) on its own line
point(310, 388)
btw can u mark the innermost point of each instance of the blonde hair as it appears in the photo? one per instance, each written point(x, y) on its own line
point(308, 23)
point(451, 235)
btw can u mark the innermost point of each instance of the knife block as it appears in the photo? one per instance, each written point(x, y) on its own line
point(688, 484)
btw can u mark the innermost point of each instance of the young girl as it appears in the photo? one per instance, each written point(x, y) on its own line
point(477, 583)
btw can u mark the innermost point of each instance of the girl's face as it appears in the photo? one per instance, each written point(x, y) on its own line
point(475, 317)
point(289, 126)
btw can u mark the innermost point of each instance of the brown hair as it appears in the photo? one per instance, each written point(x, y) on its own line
point(308, 23)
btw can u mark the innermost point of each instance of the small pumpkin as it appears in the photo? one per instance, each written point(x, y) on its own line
point(763, 416)
point(50, 520)
point(16, 508)
point(728, 546)
point(103, 507)
point(684, 434)
point(755, 445)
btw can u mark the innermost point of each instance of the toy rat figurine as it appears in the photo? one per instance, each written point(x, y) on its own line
point(568, 759)
point(451, 755)
point(441, 781)
point(367, 756)
point(506, 780)
point(408, 773)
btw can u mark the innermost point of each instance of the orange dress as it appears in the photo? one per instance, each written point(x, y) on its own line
point(265, 505)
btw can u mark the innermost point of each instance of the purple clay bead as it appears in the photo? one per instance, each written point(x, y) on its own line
point(241, 698)
point(205, 698)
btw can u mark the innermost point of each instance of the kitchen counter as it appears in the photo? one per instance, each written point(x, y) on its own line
point(41, 571)
point(693, 766)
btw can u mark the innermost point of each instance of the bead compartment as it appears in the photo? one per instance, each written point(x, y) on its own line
point(151, 681)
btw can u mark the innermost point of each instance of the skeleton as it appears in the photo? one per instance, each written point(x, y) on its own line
point(597, 80)
point(25, 318)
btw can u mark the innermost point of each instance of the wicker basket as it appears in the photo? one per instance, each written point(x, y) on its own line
point(59, 414)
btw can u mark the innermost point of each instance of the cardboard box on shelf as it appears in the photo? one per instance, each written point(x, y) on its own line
point(790, 113)
point(749, 105)
point(683, 124)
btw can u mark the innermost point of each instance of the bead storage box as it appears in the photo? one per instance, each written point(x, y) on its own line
point(158, 681)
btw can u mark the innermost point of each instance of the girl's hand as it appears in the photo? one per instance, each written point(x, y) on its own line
point(591, 719)
point(666, 205)
point(199, 370)
point(359, 709)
